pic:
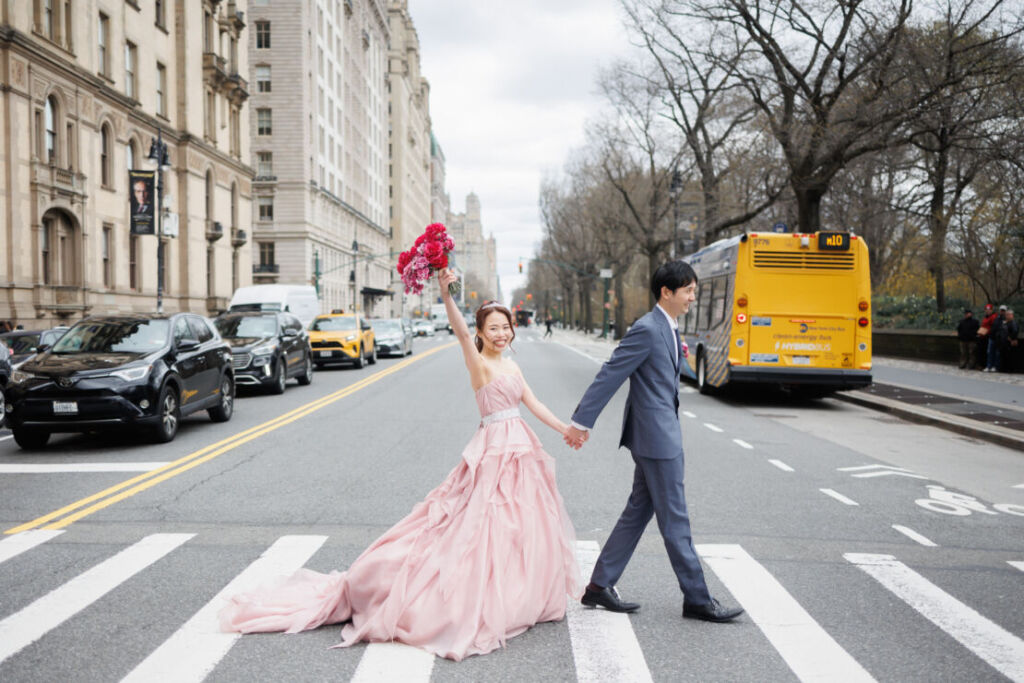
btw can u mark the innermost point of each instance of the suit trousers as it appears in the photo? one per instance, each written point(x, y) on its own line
point(658, 491)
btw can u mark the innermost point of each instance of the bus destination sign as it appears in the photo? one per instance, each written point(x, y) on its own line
point(834, 241)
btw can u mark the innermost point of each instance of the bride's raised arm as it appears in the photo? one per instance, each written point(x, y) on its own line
point(474, 363)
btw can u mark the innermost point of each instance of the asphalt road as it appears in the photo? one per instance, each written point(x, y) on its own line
point(795, 508)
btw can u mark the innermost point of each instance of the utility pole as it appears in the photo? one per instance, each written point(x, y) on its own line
point(673, 190)
point(158, 153)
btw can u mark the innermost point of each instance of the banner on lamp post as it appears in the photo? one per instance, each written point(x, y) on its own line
point(142, 202)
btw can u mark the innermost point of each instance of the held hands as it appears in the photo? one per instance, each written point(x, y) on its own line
point(445, 277)
point(575, 438)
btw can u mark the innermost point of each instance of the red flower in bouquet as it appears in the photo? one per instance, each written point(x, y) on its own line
point(428, 255)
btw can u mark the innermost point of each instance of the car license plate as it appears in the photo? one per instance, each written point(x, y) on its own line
point(801, 360)
point(65, 407)
point(325, 354)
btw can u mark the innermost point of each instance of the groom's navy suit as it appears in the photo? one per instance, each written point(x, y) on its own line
point(650, 357)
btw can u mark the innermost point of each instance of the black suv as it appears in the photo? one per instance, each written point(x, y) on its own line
point(268, 348)
point(109, 372)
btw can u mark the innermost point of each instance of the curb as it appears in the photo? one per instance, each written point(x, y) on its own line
point(991, 433)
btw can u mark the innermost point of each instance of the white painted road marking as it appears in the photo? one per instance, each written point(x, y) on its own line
point(781, 465)
point(911, 534)
point(1015, 563)
point(743, 444)
point(585, 355)
point(996, 646)
point(4, 438)
point(1016, 486)
point(687, 413)
point(29, 624)
point(394, 663)
point(604, 646)
point(15, 545)
point(56, 468)
point(195, 648)
point(838, 496)
point(714, 428)
point(880, 471)
point(804, 645)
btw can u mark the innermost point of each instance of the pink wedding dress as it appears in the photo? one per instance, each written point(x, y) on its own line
point(487, 554)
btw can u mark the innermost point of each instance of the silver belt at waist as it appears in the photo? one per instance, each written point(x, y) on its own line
point(500, 415)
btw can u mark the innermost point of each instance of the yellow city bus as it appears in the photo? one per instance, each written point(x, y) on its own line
point(789, 309)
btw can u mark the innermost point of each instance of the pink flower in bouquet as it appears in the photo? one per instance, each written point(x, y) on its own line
point(428, 255)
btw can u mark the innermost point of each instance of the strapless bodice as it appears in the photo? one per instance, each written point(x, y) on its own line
point(503, 393)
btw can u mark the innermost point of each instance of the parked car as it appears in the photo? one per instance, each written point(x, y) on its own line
point(267, 349)
point(108, 372)
point(342, 338)
point(299, 300)
point(5, 375)
point(26, 343)
point(393, 336)
point(423, 328)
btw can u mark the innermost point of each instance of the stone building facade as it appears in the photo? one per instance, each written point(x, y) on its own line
point(319, 130)
point(86, 86)
point(476, 255)
point(409, 140)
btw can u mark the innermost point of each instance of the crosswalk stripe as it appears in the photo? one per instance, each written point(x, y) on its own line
point(31, 623)
point(1015, 563)
point(805, 646)
point(195, 648)
point(604, 646)
point(998, 647)
point(15, 545)
point(394, 663)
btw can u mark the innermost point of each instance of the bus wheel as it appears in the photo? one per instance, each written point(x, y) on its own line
point(702, 376)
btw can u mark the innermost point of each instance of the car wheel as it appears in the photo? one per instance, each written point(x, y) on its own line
point(702, 376)
point(359, 359)
point(372, 360)
point(169, 412)
point(280, 378)
point(226, 408)
point(306, 378)
point(31, 439)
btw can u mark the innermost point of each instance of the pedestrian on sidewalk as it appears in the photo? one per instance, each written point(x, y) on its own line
point(548, 322)
point(995, 335)
point(1010, 350)
point(967, 333)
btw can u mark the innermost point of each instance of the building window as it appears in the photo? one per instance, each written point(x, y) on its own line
point(265, 164)
point(44, 244)
point(211, 115)
point(161, 89)
point(105, 155)
point(129, 156)
point(236, 125)
point(266, 253)
point(262, 35)
point(51, 130)
point(48, 18)
point(264, 122)
point(133, 255)
point(130, 55)
point(262, 79)
point(108, 230)
point(103, 38)
point(161, 20)
point(207, 32)
point(266, 208)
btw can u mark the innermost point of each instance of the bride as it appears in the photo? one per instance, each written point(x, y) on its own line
point(486, 555)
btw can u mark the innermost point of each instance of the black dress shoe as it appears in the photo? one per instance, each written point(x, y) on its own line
point(607, 598)
point(712, 611)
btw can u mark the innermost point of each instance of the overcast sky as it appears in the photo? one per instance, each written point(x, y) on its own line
point(511, 87)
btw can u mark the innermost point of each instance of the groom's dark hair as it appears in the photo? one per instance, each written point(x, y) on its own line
point(674, 274)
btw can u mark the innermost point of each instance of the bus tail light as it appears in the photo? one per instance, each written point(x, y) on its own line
point(863, 322)
point(863, 305)
point(741, 318)
point(742, 302)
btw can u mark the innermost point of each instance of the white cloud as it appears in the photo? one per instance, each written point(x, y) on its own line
point(511, 86)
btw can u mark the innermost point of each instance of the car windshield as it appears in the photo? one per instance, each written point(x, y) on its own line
point(386, 326)
point(247, 326)
point(333, 324)
point(127, 336)
point(423, 323)
point(21, 343)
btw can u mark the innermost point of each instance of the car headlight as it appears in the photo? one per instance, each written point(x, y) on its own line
point(264, 349)
point(351, 337)
point(132, 374)
point(19, 376)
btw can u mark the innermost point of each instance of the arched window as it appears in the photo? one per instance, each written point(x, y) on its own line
point(51, 129)
point(129, 155)
point(58, 243)
point(209, 196)
point(105, 142)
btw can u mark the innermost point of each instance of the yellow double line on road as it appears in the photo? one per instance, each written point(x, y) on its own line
point(130, 487)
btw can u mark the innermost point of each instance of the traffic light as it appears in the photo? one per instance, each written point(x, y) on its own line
point(529, 297)
point(520, 266)
point(472, 295)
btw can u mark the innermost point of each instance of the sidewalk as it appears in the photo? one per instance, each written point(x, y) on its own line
point(987, 406)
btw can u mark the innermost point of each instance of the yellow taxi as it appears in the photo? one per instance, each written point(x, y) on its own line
point(342, 338)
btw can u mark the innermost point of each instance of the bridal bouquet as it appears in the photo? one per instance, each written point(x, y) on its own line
point(427, 256)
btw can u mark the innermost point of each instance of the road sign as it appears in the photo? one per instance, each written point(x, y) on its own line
point(606, 273)
point(780, 227)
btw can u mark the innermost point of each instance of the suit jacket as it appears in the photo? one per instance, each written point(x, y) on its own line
point(645, 356)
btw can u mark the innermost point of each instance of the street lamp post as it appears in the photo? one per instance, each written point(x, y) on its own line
point(673, 190)
point(158, 154)
point(355, 280)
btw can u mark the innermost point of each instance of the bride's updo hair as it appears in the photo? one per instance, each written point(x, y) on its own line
point(485, 310)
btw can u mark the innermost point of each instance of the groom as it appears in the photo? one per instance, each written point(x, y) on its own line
point(650, 356)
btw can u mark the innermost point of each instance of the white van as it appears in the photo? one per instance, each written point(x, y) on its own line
point(299, 300)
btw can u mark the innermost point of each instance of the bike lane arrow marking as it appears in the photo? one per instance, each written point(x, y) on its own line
point(880, 471)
